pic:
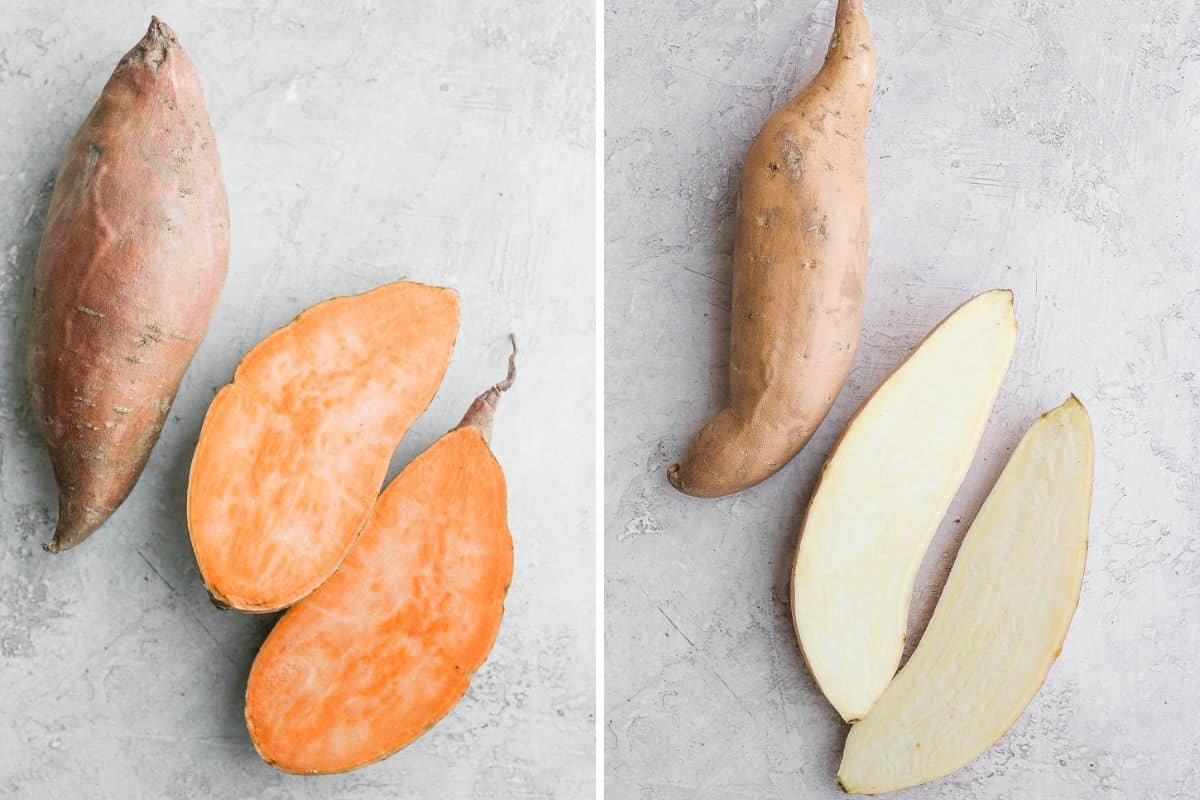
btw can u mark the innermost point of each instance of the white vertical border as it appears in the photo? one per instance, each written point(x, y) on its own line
point(598, 153)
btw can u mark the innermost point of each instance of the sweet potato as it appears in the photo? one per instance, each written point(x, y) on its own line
point(293, 452)
point(800, 256)
point(132, 261)
point(372, 659)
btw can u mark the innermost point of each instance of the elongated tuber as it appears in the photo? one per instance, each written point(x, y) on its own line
point(799, 268)
point(132, 261)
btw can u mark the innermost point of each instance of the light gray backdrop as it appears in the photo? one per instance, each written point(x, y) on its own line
point(362, 142)
point(1050, 147)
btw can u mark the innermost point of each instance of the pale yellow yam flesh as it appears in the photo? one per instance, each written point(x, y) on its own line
point(884, 490)
point(1000, 622)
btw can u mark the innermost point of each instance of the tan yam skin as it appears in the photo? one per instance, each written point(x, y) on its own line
point(800, 257)
point(372, 659)
point(132, 261)
point(292, 453)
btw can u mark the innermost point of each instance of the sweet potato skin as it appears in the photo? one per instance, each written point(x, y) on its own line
point(800, 256)
point(132, 261)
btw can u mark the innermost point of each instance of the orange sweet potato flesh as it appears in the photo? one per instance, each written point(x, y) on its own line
point(800, 258)
point(293, 452)
point(132, 261)
point(371, 660)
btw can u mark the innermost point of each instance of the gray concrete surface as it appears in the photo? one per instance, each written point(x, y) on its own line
point(1049, 147)
point(362, 142)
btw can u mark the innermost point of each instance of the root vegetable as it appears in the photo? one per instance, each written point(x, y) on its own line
point(293, 452)
point(800, 257)
point(999, 624)
point(883, 493)
point(372, 659)
point(132, 261)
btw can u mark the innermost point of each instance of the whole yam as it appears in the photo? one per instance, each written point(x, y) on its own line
point(799, 269)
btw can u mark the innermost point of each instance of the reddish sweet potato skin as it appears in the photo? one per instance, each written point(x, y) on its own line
point(132, 261)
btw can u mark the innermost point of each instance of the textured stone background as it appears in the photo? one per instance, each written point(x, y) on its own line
point(1045, 146)
point(362, 142)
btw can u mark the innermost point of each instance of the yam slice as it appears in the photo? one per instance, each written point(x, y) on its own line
point(999, 624)
point(884, 490)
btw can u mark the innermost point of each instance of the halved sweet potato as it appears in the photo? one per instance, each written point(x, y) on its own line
point(294, 450)
point(372, 659)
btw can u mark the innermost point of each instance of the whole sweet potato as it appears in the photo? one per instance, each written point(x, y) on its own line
point(132, 260)
point(800, 257)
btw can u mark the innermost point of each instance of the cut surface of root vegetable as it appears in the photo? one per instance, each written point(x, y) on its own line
point(388, 645)
point(883, 492)
point(999, 624)
point(293, 452)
